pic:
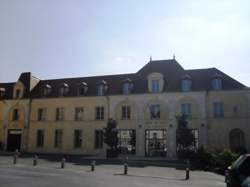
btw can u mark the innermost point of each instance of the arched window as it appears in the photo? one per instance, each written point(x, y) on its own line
point(127, 86)
point(82, 89)
point(46, 90)
point(102, 88)
point(216, 82)
point(64, 89)
point(237, 139)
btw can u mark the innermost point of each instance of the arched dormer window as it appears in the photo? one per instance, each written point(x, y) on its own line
point(64, 89)
point(102, 88)
point(46, 90)
point(155, 82)
point(186, 83)
point(82, 89)
point(2, 92)
point(216, 82)
point(127, 86)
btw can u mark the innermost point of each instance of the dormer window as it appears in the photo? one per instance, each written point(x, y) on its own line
point(101, 88)
point(17, 93)
point(2, 92)
point(64, 90)
point(217, 82)
point(155, 86)
point(155, 82)
point(186, 83)
point(46, 90)
point(83, 88)
point(127, 86)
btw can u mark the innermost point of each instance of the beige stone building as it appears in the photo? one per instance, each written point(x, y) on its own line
point(68, 115)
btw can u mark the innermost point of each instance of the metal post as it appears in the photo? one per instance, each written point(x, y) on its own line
point(63, 162)
point(93, 165)
point(125, 168)
point(15, 159)
point(187, 173)
point(35, 160)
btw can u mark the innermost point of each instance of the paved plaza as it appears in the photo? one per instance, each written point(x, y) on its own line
point(48, 173)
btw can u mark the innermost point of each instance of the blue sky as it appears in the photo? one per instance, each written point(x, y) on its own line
point(62, 38)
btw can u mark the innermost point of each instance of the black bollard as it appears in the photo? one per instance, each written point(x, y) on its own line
point(187, 173)
point(15, 159)
point(93, 165)
point(63, 162)
point(125, 168)
point(35, 160)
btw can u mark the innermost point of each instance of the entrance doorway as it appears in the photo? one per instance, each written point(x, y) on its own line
point(156, 142)
point(14, 140)
point(126, 141)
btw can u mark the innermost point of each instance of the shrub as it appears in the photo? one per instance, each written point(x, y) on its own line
point(202, 159)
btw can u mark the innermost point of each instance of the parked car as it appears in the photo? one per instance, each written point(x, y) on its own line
point(238, 172)
point(246, 182)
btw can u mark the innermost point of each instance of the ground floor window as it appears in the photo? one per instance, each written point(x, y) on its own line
point(156, 142)
point(237, 140)
point(58, 138)
point(98, 139)
point(195, 145)
point(127, 141)
point(40, 138)
point(78, 138)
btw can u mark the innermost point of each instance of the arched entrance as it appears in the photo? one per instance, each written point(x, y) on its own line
point(237, 140)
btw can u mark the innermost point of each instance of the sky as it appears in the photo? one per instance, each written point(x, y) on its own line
point(62, 38)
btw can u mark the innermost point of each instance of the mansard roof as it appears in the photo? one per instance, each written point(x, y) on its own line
point(171, 70)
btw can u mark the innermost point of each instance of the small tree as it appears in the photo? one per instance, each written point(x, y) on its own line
point(110, 134)
point(184, 138)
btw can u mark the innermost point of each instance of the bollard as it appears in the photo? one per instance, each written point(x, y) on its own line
point(63, 162)
point(93, 165)
point(187, 173)
point(14, 159)
point(125, 168)
point(35, 160)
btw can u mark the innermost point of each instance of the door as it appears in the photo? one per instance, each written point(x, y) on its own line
point(156, 143)
point(14, 140)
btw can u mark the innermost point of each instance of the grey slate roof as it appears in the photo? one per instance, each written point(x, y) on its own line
point(172, 71)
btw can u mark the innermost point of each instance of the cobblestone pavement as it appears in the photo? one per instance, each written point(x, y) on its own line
point(48, 173)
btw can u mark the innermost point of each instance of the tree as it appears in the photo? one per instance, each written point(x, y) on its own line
point(110, 134)
point(184, 138)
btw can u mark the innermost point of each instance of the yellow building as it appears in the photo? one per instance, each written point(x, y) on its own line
point(68, 115)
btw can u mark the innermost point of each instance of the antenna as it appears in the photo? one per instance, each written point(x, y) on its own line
point(174, 57)
point(150, 58)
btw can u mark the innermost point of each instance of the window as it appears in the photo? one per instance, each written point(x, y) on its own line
point(59, 114)
point(79, 113)
point(126, 88)
point(235, 109)
point(78, 138)
point(15, 115)
point(18, 92)
point(46, 90)
point(100, 90)
point(98, 139)
point(58, 138)
point(155, 86)
point(2, 92)
point(40, 138)
point(64, 90)
point(186, 85)
point(218, 110)
point(155, 111)
point(125, 112)
point(186, 109)
point(41, 114)
point(195, 132)
point(100, 113)
point(217, 84)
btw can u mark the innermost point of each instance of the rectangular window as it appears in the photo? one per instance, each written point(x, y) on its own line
point(100, 90)
point(186, 85)
point(40, 138)
point(155, 86)
point(58, 138)
point(15, 115)
point(125, 112)
point(217, 84)
point(78, 138)
point(195, 132)
point(186, 109)
point(218, 110)
point(98, 139)
point(41, 114)
point(155, 112)
point(100, 113)
point(59, 114)
point(79, 113)
point(17, 95)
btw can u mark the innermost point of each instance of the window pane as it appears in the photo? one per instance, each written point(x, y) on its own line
point(155, 86)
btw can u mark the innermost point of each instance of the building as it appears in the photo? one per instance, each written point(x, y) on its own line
point(68, 115)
